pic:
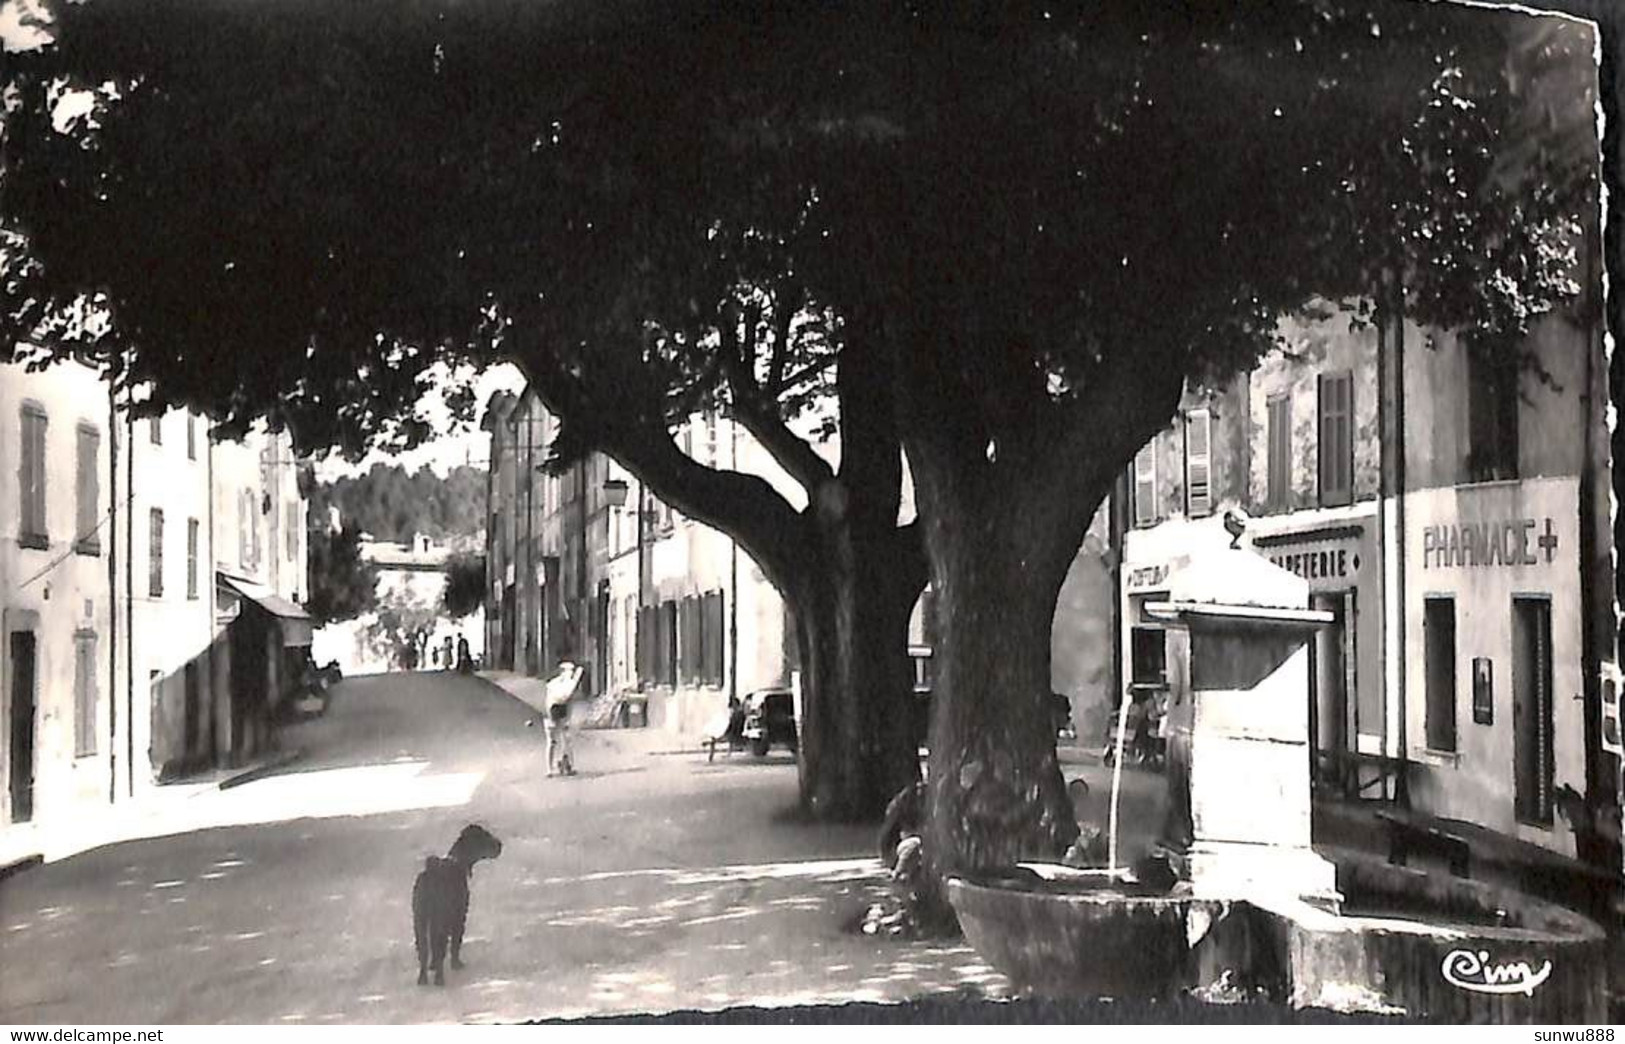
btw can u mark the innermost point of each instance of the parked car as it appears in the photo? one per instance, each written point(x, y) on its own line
point(770, 720)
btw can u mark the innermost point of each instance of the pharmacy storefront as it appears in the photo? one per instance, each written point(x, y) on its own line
point(1494, 713)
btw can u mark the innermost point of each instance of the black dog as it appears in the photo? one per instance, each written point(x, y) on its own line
point(440, 901)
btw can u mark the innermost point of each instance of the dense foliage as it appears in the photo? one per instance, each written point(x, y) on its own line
point(465, 585)
point(342, 585)
point(389, 503)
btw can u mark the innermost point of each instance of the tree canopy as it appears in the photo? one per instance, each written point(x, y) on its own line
point(1004, 236)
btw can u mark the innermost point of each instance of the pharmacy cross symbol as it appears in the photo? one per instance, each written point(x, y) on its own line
point(1548, 541)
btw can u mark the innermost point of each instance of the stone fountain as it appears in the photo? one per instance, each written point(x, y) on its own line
point(1256, 906)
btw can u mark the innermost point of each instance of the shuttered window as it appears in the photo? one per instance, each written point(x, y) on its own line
point(191, 558)
point(1336, 439)
point(31, 479)
point(1145, 485)
point(1199, 463)
point(712, 638)
point(87, 491)
point(155, 553)
point(84, 693)
point(1439, 672)
point(1278, 446)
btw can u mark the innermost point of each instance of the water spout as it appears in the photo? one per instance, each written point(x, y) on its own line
point(1117, 786)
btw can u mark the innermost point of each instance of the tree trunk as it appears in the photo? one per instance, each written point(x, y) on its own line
point(995, 795)
point(852, 606)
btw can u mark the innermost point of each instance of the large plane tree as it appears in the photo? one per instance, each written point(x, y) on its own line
point(1006, 236)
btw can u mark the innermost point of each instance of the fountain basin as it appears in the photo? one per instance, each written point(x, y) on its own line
point(1079, 933)
point(1413, 944)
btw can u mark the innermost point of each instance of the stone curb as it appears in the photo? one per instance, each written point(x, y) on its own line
point(17, 866)
point(261, 771)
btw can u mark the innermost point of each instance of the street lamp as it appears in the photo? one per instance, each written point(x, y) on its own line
point(615, 492)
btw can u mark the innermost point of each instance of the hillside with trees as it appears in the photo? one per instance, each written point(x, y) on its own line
point(390, 503)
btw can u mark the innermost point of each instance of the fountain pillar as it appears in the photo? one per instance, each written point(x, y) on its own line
point(1238, 758)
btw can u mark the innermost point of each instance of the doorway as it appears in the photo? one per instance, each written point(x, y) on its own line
point(193, 723)
point(1332, 725)
point(23, 699)
point(1532, 709)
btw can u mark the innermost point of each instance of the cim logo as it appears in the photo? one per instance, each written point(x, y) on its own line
point(1475, 972)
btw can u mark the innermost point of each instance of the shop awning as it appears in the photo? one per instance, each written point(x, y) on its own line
point(295, 623)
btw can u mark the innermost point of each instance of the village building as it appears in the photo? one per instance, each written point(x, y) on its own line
point(1451, 514)
point(128, 657)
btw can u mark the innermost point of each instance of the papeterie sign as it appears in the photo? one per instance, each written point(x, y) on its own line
point(1503, 543)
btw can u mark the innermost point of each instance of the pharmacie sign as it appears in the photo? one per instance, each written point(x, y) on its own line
point(1499, 543)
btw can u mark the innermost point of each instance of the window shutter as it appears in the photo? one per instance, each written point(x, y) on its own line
point(1199, 463)
point(1280, 423)
point(31, 477)
point(715, 638)
point(84, 693)
point(155, 553)
point(1336, 438)
point(88, 489)
point(1145, 485)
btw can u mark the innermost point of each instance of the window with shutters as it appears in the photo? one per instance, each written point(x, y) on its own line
point(1278, 451)
point(1199, 463)
point(1336, 439)
point(1145, 485)
point(31, 479)
point(84, 693)
point(1492, 417)
point(87, 492)
point(191, 559)
point(712, 638)
point(668, 644)
point(244, 520)
point(155, 553)
point(1439, 672)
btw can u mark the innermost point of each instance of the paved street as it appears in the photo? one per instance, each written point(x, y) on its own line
point(653, 881)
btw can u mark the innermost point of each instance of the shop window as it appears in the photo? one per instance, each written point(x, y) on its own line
point(1336, 439)
point(1148, 657)
point(1199, 463)
point(1145, 485)
point(1278, 453)
point(1439, 672)
point(1492, 417)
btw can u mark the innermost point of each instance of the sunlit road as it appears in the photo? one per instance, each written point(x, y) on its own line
point(650, 882)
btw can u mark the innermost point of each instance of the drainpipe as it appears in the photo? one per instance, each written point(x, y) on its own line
point(113, 514)
point(1396, 315)
point(129, 598)
point(206, 579)
point(733, 578)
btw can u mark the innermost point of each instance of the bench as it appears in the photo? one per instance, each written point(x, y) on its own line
point(1407, 836)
